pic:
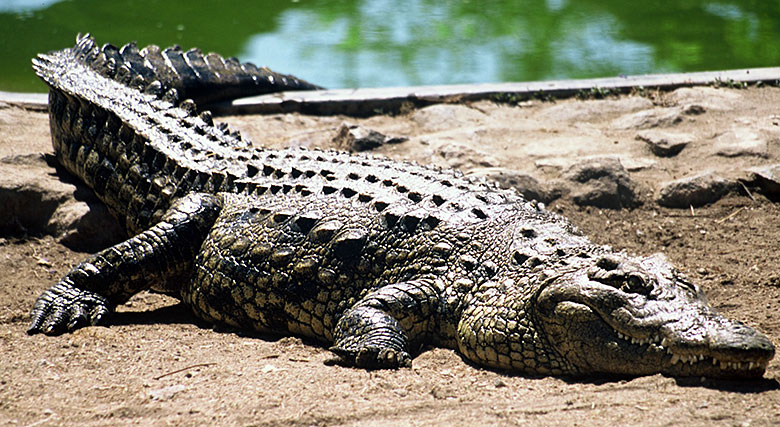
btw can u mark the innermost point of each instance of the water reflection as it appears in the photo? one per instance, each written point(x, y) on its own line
point(363, 43)
point(24, 6)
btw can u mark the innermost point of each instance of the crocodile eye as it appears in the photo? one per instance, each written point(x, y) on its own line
point(637, 284)
point(627, 281)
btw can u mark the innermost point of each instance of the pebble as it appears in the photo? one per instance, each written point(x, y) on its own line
point(664, 143)
point(350, 137)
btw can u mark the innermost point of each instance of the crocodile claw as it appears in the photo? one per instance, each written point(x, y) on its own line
point(374, 358)
point(65, 308)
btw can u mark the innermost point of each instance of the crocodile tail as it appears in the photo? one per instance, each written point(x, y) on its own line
point(179, 75)
point(73, 72)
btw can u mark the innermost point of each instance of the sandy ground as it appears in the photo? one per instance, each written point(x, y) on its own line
point(157, 365)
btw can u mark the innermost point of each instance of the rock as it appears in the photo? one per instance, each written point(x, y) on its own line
point(647, 119)
point(766, 179)
point(698, 190)
point(525, 184)
point(460, 156)
point(739, 142)
point(636, 164)
point(693, 109)
point(35, 200)
point(703, 98)
point(663, 143)
point(594, 109)
point(446, 116)
point(352, 137)
point(85, 225)
point(602, 182)
point(629, 163)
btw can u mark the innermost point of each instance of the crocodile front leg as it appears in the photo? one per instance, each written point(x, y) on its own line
point(379, 329)
point(89, 292)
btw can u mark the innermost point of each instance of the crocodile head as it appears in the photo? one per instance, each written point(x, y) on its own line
point(638, 316)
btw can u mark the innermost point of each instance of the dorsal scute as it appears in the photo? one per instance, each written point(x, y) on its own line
point(204, 78)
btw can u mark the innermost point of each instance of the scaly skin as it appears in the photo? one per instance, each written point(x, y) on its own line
point(371, 256)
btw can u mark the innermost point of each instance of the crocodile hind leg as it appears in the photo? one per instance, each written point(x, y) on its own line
point(378, 330)
point(89, 292)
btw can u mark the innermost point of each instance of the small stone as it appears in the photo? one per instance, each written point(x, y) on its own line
point(658, 117)
point(602, 182)
point(166, 393)
point(358, 138)
point(766, 179)
point(693, 109)
point(663, 143)
point(636, 164)
point(461, 156)
point(525, 184)
point(698, 190)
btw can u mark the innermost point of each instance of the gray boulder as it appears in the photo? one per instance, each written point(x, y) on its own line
point(602, 182)
point(697, 190)
point(38, 199)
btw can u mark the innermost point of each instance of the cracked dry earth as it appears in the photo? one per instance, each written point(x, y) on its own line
point(156, 365)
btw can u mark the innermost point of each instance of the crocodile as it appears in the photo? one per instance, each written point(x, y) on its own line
point(374, 258)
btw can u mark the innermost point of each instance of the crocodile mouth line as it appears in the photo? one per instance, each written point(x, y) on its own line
point(696, 359)
point(688, 359)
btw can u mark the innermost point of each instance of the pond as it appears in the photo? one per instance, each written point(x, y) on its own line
point(372, 43)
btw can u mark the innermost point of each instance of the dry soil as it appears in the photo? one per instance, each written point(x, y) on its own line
point(157, 365)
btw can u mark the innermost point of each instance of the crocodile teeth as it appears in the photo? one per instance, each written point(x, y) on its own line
point(664, 342)
point(675, 359)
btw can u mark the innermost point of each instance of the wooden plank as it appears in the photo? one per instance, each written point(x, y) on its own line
point(28, 101)
point(370, 101)
point(365, 102)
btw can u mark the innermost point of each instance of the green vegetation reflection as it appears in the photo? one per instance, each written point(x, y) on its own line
point(411, 42)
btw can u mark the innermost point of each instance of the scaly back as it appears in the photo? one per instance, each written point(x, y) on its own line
point(118, 124)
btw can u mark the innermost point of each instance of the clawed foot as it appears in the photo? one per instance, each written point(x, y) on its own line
point(373, 358)
point(64, 308)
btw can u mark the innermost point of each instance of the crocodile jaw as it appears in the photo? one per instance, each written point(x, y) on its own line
point(603, 330)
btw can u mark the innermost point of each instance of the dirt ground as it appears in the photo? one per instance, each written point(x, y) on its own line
point(157, 365)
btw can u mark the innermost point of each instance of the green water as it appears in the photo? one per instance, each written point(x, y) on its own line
point(412, 42)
